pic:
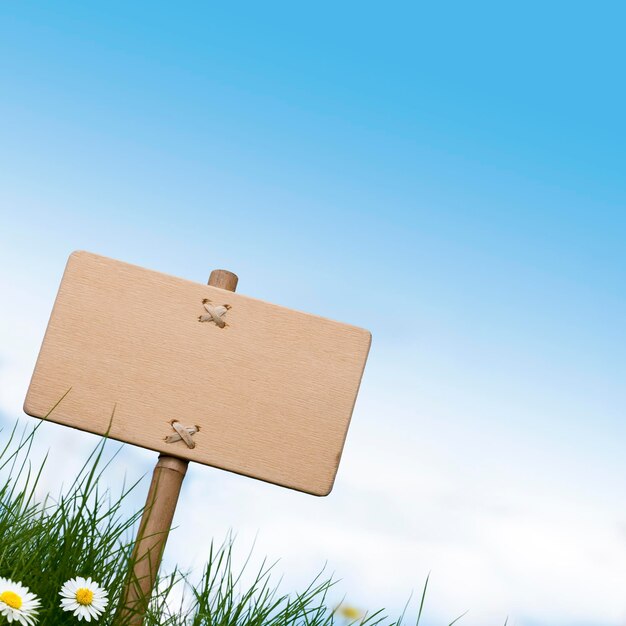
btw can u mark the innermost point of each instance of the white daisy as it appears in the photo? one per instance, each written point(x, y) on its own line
point(84, 597)
point(18, 604)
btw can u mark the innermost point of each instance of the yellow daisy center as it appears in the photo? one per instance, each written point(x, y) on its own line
point(10, 598)
point(84, 596)
point(350, 612)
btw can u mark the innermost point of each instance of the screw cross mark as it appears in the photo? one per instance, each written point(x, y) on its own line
point(214, 313)
point(184, 433)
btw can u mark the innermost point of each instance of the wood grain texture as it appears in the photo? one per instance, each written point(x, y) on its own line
point(272, 392)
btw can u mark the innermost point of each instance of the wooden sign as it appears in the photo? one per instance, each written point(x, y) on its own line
point(199, 373)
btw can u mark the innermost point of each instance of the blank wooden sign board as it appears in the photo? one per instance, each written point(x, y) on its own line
point(257, 389)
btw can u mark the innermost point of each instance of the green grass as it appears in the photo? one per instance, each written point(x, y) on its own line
point(85, 531)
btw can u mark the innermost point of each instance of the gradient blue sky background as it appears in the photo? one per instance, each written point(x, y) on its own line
point(450, 176)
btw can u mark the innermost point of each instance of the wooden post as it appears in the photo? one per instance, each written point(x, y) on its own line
point(156, 520)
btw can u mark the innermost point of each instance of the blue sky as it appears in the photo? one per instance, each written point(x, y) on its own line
point(449, 176)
